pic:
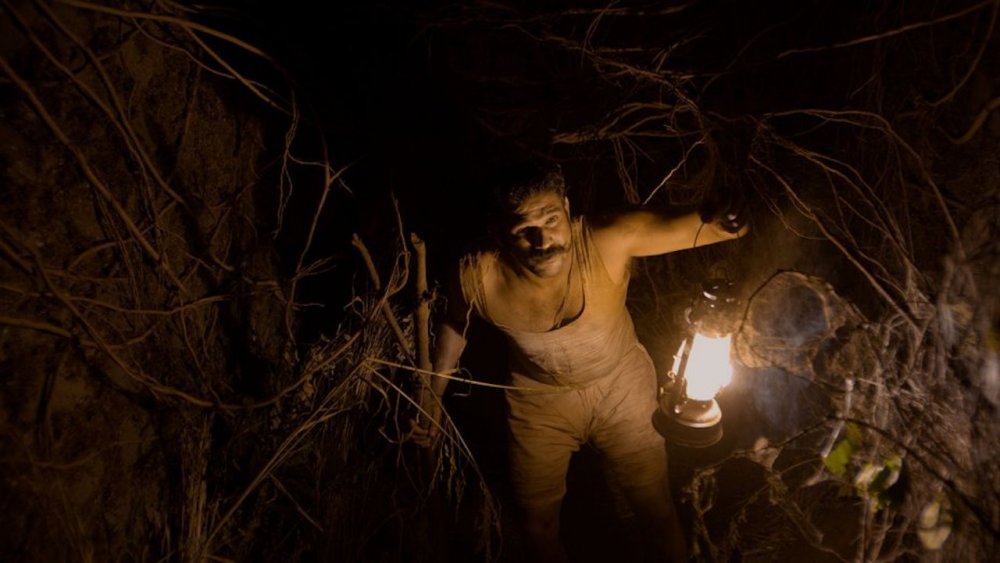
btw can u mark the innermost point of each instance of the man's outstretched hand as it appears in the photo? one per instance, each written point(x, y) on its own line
point(727, 210)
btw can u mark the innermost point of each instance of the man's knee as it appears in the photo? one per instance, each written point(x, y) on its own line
point(541, 526)
point(651, 502)
point(541, 522)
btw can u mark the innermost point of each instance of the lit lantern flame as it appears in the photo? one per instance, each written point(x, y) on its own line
point(708, 369)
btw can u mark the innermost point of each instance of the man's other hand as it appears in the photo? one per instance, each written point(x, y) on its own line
point(426, 427)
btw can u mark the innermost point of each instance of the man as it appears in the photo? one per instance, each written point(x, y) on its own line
point(556, 287)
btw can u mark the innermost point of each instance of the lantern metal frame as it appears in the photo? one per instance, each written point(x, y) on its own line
point(680, 419)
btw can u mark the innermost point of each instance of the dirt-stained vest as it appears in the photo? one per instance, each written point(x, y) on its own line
point(579, 352)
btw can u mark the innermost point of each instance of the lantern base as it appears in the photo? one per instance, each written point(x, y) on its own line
point(692, 424)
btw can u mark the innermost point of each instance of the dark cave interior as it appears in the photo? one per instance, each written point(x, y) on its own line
point(209, 316)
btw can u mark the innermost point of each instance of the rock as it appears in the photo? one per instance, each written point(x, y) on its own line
point(788, 322)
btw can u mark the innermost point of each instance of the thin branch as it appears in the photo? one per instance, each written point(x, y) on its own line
point(466, 380)
point(901, 308)
point(987, 39)
point(184, 23)
point(978, 122)
point(893, 32)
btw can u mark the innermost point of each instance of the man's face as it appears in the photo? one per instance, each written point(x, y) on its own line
point(539, 234)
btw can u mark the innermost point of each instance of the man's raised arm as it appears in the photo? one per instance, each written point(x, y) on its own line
point(648, 232)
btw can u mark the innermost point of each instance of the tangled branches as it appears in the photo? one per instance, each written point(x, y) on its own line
point(154, 314)
point(194, 360)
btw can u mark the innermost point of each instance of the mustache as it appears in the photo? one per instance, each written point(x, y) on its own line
point(541, 254)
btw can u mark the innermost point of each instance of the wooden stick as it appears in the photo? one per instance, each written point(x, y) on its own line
point(423, 312)
point(384, 304)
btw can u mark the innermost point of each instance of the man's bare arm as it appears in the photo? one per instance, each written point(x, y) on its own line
point(644, 232)
point(448, 348)
point(447, 353)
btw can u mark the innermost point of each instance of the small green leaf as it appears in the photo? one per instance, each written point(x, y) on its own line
point(875, 481)
point(836, 461)
point(853, 434)
point(839, 457)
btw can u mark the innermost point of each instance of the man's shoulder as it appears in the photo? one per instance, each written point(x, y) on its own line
point(605, 235)
point(472, 274)
point(476, 266)
point(607, 221)
point(602, 228)
point(479, 253)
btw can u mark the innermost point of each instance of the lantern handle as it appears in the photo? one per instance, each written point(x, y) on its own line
point(680, 381)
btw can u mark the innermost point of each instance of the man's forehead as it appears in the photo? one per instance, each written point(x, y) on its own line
point(539, 205)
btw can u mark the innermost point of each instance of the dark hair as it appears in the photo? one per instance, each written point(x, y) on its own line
point(521, 181)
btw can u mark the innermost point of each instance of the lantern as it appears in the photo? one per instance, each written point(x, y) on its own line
point(688, 413)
